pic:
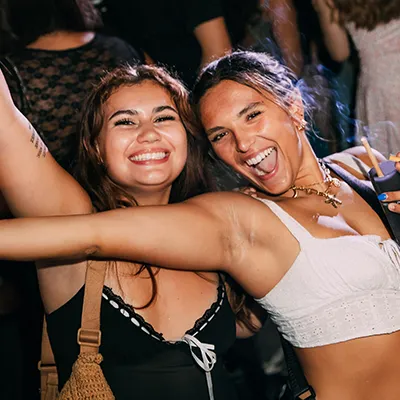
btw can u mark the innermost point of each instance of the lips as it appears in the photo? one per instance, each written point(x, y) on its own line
point(264, 162)
point(149, 156)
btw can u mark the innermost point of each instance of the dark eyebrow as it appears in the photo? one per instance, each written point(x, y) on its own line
point(162, 108)
point(119, 112)
point(251, 106)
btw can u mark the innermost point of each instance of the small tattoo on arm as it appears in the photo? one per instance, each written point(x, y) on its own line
point(37, 142)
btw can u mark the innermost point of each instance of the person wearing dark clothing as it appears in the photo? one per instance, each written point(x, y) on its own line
point(181, 34)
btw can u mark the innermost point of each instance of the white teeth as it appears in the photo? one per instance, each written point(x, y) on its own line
point(259, 157)
point(149, 156)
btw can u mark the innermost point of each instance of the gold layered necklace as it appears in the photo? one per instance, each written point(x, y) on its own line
point(331, 182)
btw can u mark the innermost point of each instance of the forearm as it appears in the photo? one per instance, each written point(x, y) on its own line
point(34, 239)
point(213, 38)
point(177, 236)
point(284, 25)
point(334, 35)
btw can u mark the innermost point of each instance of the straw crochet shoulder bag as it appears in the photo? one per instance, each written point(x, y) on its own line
point(87, 380)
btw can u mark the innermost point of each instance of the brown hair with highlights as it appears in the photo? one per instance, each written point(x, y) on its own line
point(91, 173)
point(367, 14)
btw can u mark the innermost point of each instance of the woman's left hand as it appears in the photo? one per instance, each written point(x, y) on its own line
point(250, 191)
point(392, 197)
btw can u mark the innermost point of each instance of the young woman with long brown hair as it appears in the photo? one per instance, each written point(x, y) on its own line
point(137, 147)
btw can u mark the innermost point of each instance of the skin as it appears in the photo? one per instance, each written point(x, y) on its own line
point(283, 17)
point(213, 38)
point(238, 234)
point(335, 35)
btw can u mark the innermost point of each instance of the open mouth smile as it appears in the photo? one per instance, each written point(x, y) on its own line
point(155, 156)
point(264, 163)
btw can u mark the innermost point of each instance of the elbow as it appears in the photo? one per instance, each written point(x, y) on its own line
point(92, 251)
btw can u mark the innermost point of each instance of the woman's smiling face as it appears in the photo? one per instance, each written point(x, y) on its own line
point(252, 134)
point(143, 142)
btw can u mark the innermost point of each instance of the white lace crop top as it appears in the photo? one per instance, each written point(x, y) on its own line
point(337, 289)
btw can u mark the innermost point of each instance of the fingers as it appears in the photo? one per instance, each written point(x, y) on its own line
point(247, 190)
point(392, 198)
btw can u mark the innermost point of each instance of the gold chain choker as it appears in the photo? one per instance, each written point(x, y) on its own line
point(332, 182)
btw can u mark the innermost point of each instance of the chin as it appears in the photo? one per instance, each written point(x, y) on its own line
point(272, 188)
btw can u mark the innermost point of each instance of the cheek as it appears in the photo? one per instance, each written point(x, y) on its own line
point(179, 142)
point(114, 147)
point(181, 153)
point(224, 150)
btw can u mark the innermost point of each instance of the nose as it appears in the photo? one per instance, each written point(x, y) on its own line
point(244, 141)
point(148, 135)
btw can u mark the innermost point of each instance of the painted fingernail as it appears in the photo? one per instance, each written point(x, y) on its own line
point(392, 207)
point(382, 197)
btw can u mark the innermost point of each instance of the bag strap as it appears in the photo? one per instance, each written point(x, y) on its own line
point(47, 368)
point(88, 336)
point(297, 381)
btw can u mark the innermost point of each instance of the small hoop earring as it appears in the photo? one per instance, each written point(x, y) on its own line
point(302, 125)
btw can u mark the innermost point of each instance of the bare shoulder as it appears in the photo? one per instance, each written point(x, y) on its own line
point(355, 161)
point(242, 215)
point(360, 153)
point(235, 200)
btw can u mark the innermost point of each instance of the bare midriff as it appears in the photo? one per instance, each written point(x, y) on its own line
point(359, 369)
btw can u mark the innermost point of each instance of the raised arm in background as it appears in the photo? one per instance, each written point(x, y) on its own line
point(283, 17)
point(31, 181)
point(219, 231)
point(213, 38)
point(335, 35)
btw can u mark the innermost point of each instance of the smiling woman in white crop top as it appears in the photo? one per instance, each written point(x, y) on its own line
point(309, 249)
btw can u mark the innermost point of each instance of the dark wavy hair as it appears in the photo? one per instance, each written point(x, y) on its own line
point(367, 14)
point(194, 179)
point(30, 19)
point(264, 74)
point(91, 173)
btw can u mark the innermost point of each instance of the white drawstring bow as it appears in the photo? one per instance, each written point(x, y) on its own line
point(207, 361)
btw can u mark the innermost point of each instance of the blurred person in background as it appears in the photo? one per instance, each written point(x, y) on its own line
point(374, 27)
point(181, 34)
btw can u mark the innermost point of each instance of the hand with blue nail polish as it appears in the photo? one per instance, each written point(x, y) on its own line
point(382, 197)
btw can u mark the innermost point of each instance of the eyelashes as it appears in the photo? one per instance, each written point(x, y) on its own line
point(165, 118)
point(160, 119)
point(218, 137)
point(253, 115)
point(124, 121)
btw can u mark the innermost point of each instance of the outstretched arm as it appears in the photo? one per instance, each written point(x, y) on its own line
point(335, 35)
point(283, 16)
point(220, 231)
point(31, 181)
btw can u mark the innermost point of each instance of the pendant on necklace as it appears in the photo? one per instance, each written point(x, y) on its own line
point(332, 200)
